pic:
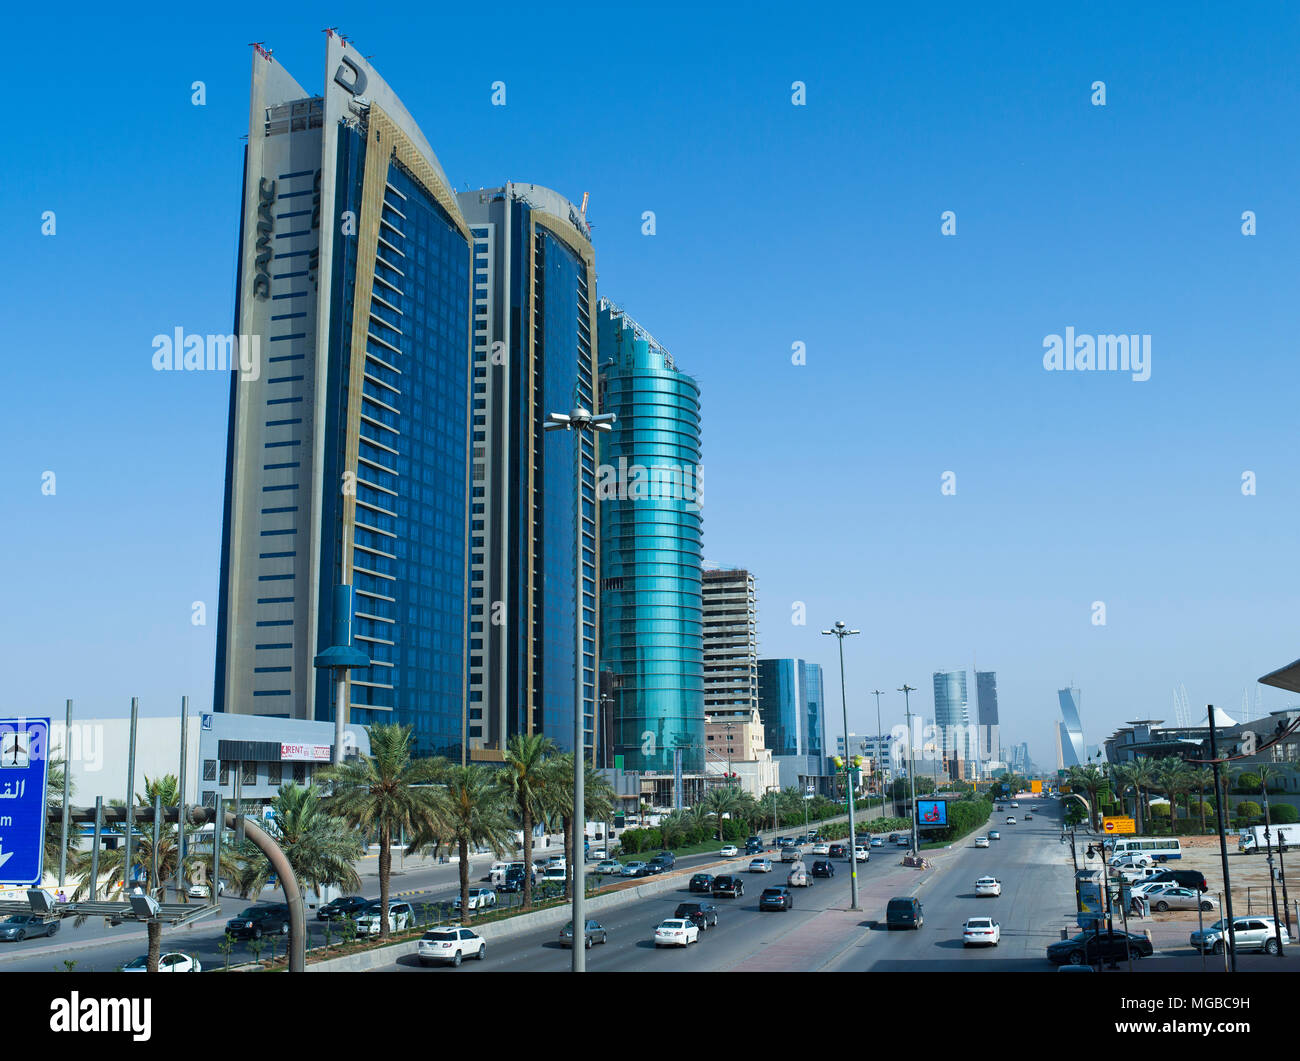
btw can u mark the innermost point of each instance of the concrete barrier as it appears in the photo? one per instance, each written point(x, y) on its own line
point(522, 924)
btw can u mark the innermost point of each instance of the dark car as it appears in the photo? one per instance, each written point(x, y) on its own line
point(341, 909)
point(1087, 947)
point(728, 886)
point(648, 870)
point(753, 845)
point(784, 841)
point(25, 926)
point(1188, 878)
point(838, 851)
point(778, 898)
point(822, 868)
point(514, 880)
point(701, 882)
point(904, 911)
point(667, 858)
point(702, 915)
point(259, 921)
point(595, 933)
point(893, 838)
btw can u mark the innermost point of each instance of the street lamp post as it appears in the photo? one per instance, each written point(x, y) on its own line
point(579, 420)
point(911, 763)
point(839, 631)
point(880, 774)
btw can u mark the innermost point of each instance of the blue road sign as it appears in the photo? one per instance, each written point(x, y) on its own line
point(24, 762)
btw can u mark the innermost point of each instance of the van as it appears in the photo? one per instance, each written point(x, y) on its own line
point(497, 874)
point(904, 912)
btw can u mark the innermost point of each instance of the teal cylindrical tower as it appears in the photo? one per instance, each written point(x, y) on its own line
point(648, 486)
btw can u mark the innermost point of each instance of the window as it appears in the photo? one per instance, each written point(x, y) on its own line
point(225, 775)
point(210, 799)
point(274, 771)
point(248, 775)
point(300, 773)
point(209, 769)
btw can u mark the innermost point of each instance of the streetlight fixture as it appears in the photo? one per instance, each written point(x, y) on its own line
point(839, 631)
point(579, 420)
point(911, 762)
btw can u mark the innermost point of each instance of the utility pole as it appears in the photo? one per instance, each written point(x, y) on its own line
point(1223, 839)
point(911, 762)
point(880, 773)
point(839, 631)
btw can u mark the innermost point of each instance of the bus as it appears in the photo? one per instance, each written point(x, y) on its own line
point(1158, 849)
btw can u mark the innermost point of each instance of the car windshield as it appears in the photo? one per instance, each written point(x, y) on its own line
point(18, 919)
point(252, 911)
point(141, 962)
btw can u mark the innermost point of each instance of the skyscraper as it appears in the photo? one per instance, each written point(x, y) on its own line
point(986, 692)
point(348, 447)
point(793, 712)
point(648, 491)
point(950, 714)
point(1070, 750)
point(730, 644)
point(534, 353)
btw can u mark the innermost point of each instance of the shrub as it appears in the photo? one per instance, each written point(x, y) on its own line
point(1160, 810)
point(1248, 811)
point(1284, 814)
point(1248, 783)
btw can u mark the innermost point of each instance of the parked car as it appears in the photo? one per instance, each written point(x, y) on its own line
point(701, 882)
point(631, 868)
point(676, 932)
point(450, 946)
point(172, 962)
point(1188, 878)
point(981, 841)
point(701, 914)
point(595, 933)
point(980, 930)
point(479, 899)
point(400, 916)
point(1130, 858)
point(1251, 933)
point(258, 921)
point(798, 877)
point(1178, 898)
point(904, 911)
point(760, 865)
point(341, 908)
point(778, 898)
point(823, 868)
point(994, 835)
point(1087, 947)
point(728, 886)
point(839, 851)
point(988, 886)
point(729, 851)
point(25, 926)
point(201, 891)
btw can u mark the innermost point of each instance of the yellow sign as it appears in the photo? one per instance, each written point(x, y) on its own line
point(1035, 786)
point(1118, 825)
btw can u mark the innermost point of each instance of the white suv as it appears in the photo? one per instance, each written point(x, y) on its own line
point(450, 945)
point(1250, 933)
point(400, 916)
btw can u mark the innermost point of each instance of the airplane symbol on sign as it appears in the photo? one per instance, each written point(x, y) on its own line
point(15, 754)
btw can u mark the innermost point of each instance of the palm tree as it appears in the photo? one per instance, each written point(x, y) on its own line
point(720, 802)
point(471, 809)
point(597, 799)
point(1087, 779)
point(388, 791)
point(1204, 778)
point(321, 848)
point(525, 777)
point(1145, 778)
point(1123, 778)
point(1173, 778)
point(112, 862)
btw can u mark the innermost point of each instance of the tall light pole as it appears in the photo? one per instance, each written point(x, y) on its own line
point(879, 768)
point(911, 763)
point(579, 420)
point(839, 631)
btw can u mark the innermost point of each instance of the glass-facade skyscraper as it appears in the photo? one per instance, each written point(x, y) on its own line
point(348, 450)
point(648, 491)
point(1070, 730)
point(986, 691)
point(950, 714)
point(534, 353)
point(791, 706)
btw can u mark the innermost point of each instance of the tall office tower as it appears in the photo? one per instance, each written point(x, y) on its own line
point(986, 693)
point(348, 446)
point(652, 632)
point(793, 713)
point(730, 645)
point(950, 715)
point(1070, 731)
point(534, 354)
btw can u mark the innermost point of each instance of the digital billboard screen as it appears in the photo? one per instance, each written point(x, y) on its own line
point(931, 813)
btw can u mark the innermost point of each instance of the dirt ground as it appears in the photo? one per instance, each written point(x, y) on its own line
point(1249, 874)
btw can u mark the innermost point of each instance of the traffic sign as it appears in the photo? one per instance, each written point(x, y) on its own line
point(24, 759)
point(1118, 824)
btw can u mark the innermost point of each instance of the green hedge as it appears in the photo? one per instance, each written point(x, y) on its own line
point(1284, 814)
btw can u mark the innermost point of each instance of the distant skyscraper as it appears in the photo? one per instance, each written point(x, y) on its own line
point(950, 714)
point(348, 448)
point(1070, 731)
point(730, 605)
point(534, 354)
point(986, 691)
point(794, 719)
point(650, 604)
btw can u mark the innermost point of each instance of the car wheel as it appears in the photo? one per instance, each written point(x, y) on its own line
point(1076, 957)
point(456, 960)
point(54, 927)
point(22, 935)
point(482, 951)
point(587, 943)
point(1162, 906)
point(1217, 948)
point(1207, 906)
point(1270, 946)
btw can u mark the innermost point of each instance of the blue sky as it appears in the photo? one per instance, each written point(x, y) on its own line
point(775, 224)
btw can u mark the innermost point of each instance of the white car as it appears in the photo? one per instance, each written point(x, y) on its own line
point(730, 851)
point(479, 899)
point(988, 886)
point(981, 841)
point(400, 916)
point(676, 932)
point(1129, 859)
point(821, 849)
point(980, 930)
point(200, 891)
point(450, 945)
point(609, 866)
point(630, 869)
point(174, 962)
point(861, 854)
point(1016, 805)
point(1011, 821)
point(554, 873)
